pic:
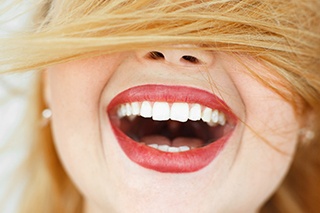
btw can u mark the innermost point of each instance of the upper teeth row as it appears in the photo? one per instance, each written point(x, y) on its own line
point(162, 111)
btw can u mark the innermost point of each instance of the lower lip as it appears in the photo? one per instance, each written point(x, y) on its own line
point(182, 162)
point(167, 162)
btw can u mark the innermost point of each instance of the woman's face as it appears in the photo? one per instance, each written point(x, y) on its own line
point(169, 130)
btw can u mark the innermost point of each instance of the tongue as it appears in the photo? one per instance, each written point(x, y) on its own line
point(176, 142)
point(191, 142)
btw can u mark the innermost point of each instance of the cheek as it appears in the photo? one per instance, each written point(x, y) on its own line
point(270, 137)
point(74, 92)
point(268, 117)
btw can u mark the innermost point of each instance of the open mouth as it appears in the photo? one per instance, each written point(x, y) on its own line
point(170, 128)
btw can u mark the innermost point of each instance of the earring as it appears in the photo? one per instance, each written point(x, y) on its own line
point(46, 116)
point(306, 135)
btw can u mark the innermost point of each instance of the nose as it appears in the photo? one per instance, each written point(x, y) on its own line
point(185, 55)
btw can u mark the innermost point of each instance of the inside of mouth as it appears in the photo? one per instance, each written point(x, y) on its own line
point(194, 134)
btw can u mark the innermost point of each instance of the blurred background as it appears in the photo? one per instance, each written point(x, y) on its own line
point(14, 92)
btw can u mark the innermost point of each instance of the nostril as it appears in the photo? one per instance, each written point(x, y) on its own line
point(183, 57)
point(155, 55)
point(191, 59)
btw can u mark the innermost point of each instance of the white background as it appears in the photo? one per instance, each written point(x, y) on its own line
point(12, 110)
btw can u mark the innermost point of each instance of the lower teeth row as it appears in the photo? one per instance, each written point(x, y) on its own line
point(166, 148)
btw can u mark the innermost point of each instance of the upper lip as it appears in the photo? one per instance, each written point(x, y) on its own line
point(189, 161)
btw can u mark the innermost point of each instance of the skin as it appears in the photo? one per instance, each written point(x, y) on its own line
point(240, 179)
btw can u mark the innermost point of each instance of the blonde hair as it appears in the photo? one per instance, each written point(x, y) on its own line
point(283, 35)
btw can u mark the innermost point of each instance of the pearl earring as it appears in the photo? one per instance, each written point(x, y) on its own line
point(307, 135)
point(46, 116)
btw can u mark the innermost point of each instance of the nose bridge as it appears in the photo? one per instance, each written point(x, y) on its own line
point(179, 55)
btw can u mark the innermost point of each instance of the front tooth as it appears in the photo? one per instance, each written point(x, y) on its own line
point(128, 109)
point(222, 119)
point(146, 109)
point(195, 112)
point(173, 149)
point(135, 108)
point(206, 114)
point(215, 116)
point(163, 148)
point(160, 111)
point(179, 112)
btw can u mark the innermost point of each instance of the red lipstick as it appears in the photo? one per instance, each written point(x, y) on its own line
point(168, 162)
